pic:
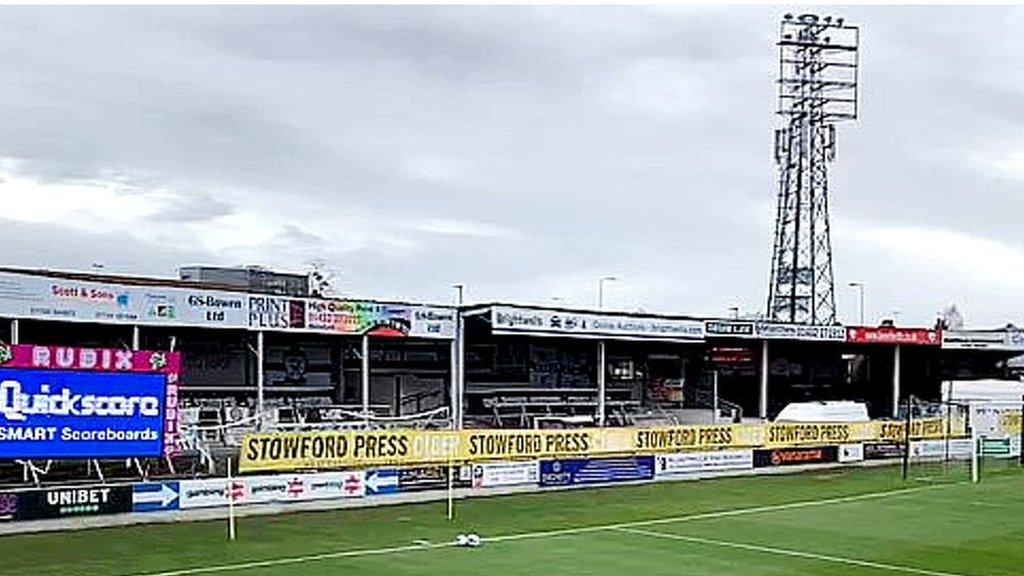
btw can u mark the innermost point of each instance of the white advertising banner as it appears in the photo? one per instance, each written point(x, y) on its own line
point(851, 453)
point(770, 331)
point(267, 489)
point(512, 320)
point(773, 331)
point(697, 462)
point(203, 493)
point(46, 298)
point(304, 487)
point(956, 448)
point(1007, 340)
point(63, 299)
point(350, 317)
point(505, 474)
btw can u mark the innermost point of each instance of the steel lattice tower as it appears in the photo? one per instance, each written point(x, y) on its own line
point(817, 88)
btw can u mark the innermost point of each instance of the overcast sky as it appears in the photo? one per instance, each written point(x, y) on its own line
point(525, 152)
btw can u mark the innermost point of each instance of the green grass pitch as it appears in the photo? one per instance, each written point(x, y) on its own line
point(851, 522)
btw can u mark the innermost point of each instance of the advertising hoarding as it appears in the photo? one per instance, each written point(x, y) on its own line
point(1009, 340)
point(51, 298)
point(8, 506)
point(543, 322)
point(733, 328)
point(64, 299)
point(155, 496)
point(73, 501)
point(789, 434)
point(283, 488)
point(890, 335)
point(573, 472)
point(506, 474)
point(421, 478)
point(883, 450)
point(357, 449)
point(795, 456)
point(953, 448)
point(774, 331)
point(851, 453)
point(381, 482)
point(350, 317)
point(82, 403)
point(701, 462)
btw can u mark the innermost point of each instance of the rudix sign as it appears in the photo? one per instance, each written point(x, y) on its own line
point(78, 403)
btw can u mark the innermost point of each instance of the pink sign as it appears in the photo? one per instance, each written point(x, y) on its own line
point(35, 357)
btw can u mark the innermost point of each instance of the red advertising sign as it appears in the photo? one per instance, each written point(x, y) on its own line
point(890, 335)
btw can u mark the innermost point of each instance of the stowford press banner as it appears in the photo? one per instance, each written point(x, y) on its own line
point(359, 449)
point(356, 449)
point(831, 433)
point(44, 297)
point(83, 403)
point(344, 449)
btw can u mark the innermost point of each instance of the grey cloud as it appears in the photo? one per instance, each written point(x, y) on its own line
point(625, 140)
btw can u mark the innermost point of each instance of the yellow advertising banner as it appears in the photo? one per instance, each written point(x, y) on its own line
point(793, 434)
point(919, 429)
point(1011, 422)
point(675, 438)
point(356, 449)
point(532, 444)
point(321, 450)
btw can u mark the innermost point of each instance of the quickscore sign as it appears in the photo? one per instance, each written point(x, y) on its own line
point(79, 403)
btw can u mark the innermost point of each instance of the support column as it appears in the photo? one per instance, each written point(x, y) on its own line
point(762, 410)
point(461, 403)
point(896, 382)
point(600, 383)
point(364, 375)
point(136, 337)
point(15, 331)
point(714, 396)
point(259, 379)
point(453, 385)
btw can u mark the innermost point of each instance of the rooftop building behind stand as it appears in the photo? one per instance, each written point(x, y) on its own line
point(249, 278)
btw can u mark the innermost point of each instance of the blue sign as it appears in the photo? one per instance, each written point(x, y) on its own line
point(596, 471)
point(67, 414)
point(381, 482)
point(155, 496)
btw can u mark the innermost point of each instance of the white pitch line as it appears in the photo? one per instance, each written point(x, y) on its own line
point(298, 560)
point(541, 534)
point(787, 552)
point(712, 515)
